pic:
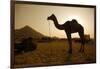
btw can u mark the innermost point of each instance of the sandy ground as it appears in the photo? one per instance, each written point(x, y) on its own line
point(55, 53)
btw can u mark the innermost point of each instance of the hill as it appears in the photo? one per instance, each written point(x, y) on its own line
point(26, 32)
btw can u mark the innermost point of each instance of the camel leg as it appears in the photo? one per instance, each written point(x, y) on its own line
point(81, 34)
point(70, 43)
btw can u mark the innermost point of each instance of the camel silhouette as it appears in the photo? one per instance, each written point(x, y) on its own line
point(70, 27)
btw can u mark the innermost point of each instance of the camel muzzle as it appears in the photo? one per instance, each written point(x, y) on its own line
point(48, 18)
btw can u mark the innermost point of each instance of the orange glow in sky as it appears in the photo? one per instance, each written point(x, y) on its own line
point(36, 17)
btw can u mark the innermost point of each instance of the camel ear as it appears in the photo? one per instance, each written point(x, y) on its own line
point(52, 14)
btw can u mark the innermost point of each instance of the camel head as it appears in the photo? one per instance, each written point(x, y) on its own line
point(51, 17)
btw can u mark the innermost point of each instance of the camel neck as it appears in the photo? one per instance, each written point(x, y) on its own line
point(57, 25)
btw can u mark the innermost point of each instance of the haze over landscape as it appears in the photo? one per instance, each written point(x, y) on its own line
point(35, 16)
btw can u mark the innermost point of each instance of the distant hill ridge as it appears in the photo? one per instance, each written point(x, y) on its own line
point(26, 32)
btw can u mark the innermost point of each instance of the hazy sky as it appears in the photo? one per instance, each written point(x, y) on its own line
point(36, 17)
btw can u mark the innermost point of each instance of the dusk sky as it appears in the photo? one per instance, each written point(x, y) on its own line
point(36, 17)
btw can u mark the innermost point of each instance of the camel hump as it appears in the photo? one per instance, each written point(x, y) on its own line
point(74, 21)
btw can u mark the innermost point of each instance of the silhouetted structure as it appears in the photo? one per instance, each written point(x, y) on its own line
point(86, 38)
point(25, 46)
point(70, 27)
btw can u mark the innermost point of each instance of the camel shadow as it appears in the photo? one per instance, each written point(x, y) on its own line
point(68, 59)
point(86, 57)
point(79, 58)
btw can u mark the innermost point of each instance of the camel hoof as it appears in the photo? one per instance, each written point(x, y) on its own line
point(70, 52)
point(81, 51)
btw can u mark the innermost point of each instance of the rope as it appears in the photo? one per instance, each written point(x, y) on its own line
point(49, 30)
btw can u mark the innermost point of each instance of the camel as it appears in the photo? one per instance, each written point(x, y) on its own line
point(70, 27)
